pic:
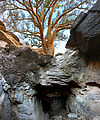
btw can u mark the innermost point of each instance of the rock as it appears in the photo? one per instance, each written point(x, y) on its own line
point(3, 44)
point(3, 37)
point(31, 92)
point(6, 87)
point(13, 67)
point(7, 37)
point(73, 65)
point(6, 109)
point(79, 19)
point(72, 115)
point(86, 104)
point(85, 33)
point(14, 36)
point(85, 37)
point(43, 87)
point(20, 97)
point(40, 59)
point(96, 7)
point(93, 73)
point(10, 38)
point(54, 76)
point(67, 69)
point(24, 109)
point(48, 91)
point(50, 83)
point(20, 68)
point(2, 26)
point(60, 117)
point(96, 118)
point(1, 88)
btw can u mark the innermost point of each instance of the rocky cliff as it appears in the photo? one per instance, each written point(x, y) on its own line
point(65, 87)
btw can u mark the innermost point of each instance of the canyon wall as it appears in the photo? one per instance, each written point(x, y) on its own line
point(41, 87)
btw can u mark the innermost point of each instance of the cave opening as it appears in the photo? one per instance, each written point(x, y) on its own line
point(54, 104)
point(53, 98)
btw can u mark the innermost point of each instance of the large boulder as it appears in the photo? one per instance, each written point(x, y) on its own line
point(85, 33)
point(85, 102)
point(85, 37)
point(19, 73)
point(41, 87)
point(7, 37)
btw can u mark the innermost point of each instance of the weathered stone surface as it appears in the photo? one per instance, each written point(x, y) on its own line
point(4, 37)
point(85, 37)
point(54, 76)
point(67, 68)
point(6, 109)
point(41, 87)
point(85, 33)
point(72, 115)
point(86, 103)
point(14, 36)
point(17, 66)
point(96, 118)
point(16, 69)
point(96, 7)
point(92, 74)
point(49, 91)
point(50, 85)
point(26, 78)
point(1, 88)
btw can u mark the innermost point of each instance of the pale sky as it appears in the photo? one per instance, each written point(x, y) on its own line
point(60, 48)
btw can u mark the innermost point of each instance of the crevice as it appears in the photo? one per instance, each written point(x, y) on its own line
point(53, 98)
point(93, 84)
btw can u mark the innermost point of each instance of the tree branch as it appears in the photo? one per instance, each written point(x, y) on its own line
point(51, 13)
point(52, 3)
point(41, 28)
point(39, 21)
point(65, 27)
point(23, 4)
point(17, 7)
point(66, 13)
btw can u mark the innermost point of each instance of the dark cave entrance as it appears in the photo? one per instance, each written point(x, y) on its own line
point(53, 98)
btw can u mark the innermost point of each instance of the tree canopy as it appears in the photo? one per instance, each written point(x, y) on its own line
point(42, 21)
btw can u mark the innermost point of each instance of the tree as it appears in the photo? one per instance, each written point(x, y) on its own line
point(42, 21)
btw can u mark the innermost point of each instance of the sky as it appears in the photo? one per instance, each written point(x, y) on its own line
point(60, 47)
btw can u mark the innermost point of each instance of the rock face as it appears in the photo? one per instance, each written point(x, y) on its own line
point(85, 33)
point(7, 38)
point(85, 37)
point(42, 87)
point(19, 73)
point(2, 26)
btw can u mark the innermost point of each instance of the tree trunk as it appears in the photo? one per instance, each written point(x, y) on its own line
point(50, 49)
